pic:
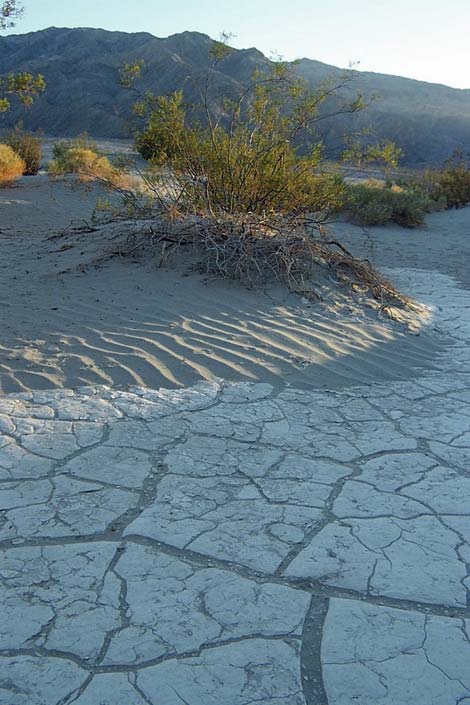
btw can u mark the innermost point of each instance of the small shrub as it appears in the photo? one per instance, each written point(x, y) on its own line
point(445, 188)
point(60, 149)
point(246, 157)
point(453, 184)
point(84, 162)
point(81, 157)
point(12, 166)
point(409, 208)
point(370, 204)
point(28, 147)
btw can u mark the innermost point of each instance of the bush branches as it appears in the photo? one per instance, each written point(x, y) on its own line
point(254, 250)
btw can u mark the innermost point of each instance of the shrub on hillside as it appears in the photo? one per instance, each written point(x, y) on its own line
point(379, 204)
point(28, 147)
point(12, 166)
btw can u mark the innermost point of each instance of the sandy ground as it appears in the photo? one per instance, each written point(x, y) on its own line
point(442, 244)
point(65, 325)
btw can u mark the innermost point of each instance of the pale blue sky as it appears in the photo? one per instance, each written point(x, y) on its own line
point(424, 39)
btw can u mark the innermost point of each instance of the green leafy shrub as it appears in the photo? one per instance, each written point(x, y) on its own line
point(246, 160)
point(368, 205)
point(247, 186)
point(11, 165)
point(379, 204)
point(452, 183)
point(28, 147)
point(253, 168)
point(409, 208)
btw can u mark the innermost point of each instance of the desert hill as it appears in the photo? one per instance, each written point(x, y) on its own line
point(81, 67)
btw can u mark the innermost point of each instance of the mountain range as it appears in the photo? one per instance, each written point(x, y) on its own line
point(81, 67)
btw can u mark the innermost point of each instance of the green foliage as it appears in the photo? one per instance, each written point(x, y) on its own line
point(368, 205)
point(220, 48)
point(452, 183)
point(409, 208)
point(249, 164)
point(378, 204)
point(28, 147)
point(448, 187)
point(164, 134)
point(11, 165)
point(24, 86)
point(384, 152)
point(327, 193)
point(130, 72)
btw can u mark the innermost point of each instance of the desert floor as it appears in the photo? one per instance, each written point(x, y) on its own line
point(215, 496)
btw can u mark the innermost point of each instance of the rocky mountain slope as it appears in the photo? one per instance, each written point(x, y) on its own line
point(81, 67)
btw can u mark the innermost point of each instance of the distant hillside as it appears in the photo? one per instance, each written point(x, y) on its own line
point(81, 67)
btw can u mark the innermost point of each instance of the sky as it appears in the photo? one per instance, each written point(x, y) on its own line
point(423, 39)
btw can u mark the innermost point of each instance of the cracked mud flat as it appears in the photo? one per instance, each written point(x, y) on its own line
point(228, 544)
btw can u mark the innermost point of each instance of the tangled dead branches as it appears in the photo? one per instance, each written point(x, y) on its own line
point(254, 250)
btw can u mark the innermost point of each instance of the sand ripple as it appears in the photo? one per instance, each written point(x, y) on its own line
point(127, 323)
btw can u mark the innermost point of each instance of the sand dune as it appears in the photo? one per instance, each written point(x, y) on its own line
point(130, 323)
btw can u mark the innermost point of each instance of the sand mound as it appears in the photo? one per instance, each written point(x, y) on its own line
point(65, 323)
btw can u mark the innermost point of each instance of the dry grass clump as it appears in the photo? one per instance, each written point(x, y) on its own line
point(254, 251)
point(12, 166)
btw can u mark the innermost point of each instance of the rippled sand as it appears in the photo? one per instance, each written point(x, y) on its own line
point(65, 325)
